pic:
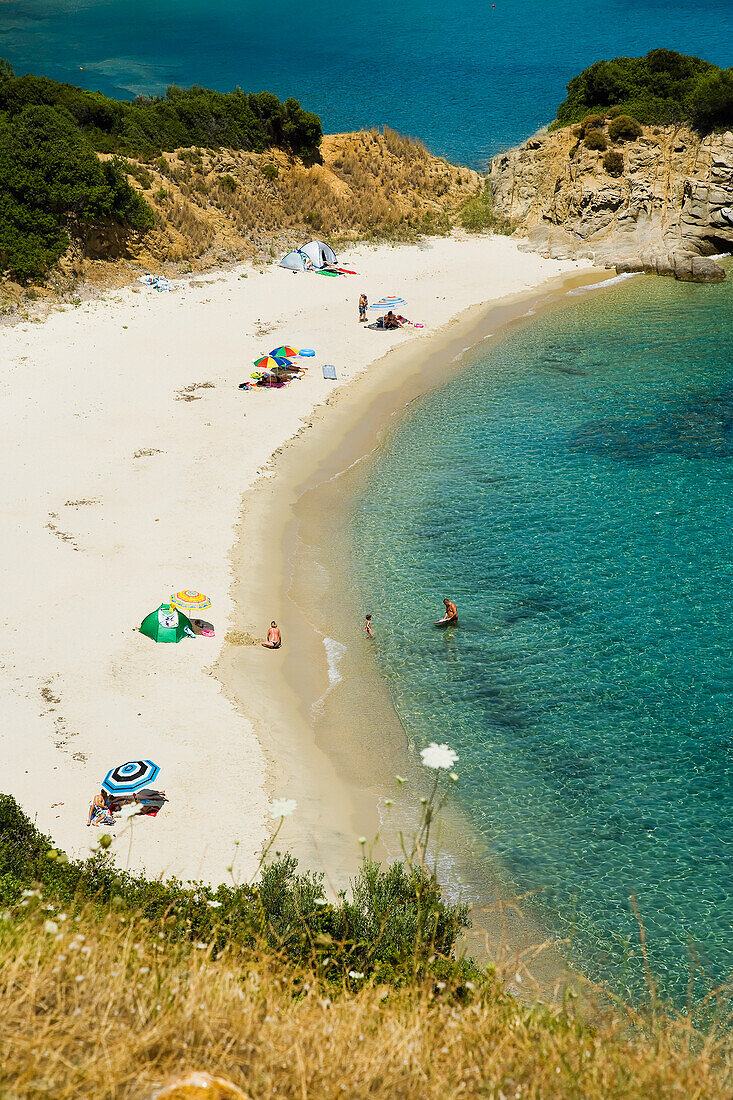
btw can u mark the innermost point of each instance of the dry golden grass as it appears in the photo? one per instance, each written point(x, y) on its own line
point(225, 205)
point(114, 1011)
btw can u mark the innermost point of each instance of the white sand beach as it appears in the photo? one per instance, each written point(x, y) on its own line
point(126, 450)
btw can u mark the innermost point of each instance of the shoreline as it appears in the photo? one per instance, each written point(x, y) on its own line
point(325, 694)
point(131, 448)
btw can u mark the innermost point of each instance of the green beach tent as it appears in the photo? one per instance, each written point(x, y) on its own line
point(166, 624)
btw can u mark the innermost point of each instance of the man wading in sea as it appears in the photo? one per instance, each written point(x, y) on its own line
point(451, 614)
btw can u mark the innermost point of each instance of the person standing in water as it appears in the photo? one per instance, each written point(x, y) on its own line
point(368, 627)
point(274, 640)
point(363, 303)
point(451, 612)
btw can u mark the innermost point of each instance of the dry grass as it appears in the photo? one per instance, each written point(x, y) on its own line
point(222, 205)
point(111, 1010)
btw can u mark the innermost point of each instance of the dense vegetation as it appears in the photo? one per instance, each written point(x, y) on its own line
point(111, 986)
point(53, 185)
point(396, 926)
point(663, 87)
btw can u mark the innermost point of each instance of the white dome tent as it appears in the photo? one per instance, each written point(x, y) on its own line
point(319, 254)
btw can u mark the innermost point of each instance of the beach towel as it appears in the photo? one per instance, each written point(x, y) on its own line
point(329, 371)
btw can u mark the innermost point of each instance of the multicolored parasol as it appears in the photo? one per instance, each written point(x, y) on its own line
point(388, 303)
point(189, 600)
point(285, 352)
point(272, 362)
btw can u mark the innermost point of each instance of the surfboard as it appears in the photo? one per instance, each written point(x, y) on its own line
point(446, 622)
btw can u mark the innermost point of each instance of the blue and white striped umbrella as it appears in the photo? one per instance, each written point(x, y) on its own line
point(388, 303)
point(130, 777)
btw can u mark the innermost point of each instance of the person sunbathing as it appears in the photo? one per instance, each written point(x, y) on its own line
point(390, 321)
point(274, 639)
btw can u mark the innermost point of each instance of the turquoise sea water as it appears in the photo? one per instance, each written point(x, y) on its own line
point(572, 493)
point(469, 79)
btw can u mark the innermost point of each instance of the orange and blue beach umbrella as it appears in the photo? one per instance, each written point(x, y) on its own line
point(285, 352)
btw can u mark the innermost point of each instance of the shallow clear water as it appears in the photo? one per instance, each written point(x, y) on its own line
point(468, 79)
point(572, 492)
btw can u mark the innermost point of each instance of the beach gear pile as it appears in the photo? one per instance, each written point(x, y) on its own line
point(157, 282)
point(168, 622)
point(278, 368)
point(128, 784)
point(315, 256)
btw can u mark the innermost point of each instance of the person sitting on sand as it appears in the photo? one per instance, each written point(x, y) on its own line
point(451, 611)
point(363, 303)
point(274, 640)
point(390, 321)
point(100, 812)
point(368, 627)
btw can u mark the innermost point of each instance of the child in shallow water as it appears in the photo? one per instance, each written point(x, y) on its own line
point(368, 627)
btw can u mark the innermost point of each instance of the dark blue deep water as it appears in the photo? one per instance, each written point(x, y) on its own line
point(572, 492)
point(468, 78)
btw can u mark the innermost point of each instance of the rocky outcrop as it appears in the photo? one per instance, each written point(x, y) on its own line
point(661, 203)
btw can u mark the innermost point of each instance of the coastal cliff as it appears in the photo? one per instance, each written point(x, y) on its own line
point(659, 202)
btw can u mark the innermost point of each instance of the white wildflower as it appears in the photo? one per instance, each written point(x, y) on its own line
point(438, 757)
point(202, 946)
point(362, 840)
point(214, 904)
point(355, 974)
point(80, 977)
point(31, 894)
point(51, 927)
point(144, 969)
point(283, 807)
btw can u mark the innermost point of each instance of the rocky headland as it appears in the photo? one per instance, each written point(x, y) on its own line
point(661, 202)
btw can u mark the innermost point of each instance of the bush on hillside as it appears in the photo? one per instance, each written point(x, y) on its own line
point(477, 214)
point(624, 128)
point(592, 122)
point(613, 162)
point(396, 925)
point(712, 100)
point(52, 181)
point(183, 117)
point(596, 140)
point(663, 87)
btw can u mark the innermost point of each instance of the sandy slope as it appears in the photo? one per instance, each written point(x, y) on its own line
point(121, 483)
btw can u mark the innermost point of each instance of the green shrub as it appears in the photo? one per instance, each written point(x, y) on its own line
point(592, 122)
point(661, 88)
point(596, 140)
point(137, 172)
point(613, 162)
point(396, 925)
point(624, 128)
point(160, 194)
point(712, 100)
point(270, 170)
point(228, 182)
point(477, 214)
point(183, 117)
point(52, 182)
